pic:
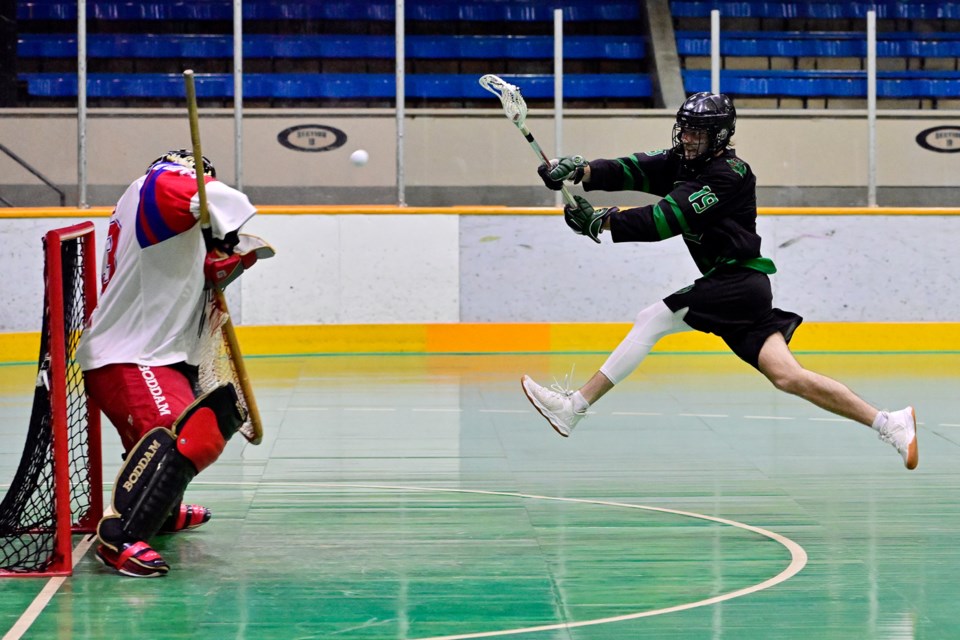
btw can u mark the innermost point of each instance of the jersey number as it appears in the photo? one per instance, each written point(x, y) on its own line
point(110, 254)
point(703, 199)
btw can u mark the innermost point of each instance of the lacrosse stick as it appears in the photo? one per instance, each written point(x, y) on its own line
point(228, 347)
point(515, 109)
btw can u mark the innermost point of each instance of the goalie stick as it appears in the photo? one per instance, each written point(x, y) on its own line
point(254, 431)
point(515, 108)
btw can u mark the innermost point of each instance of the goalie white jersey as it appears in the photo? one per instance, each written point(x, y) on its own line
point(152, 280)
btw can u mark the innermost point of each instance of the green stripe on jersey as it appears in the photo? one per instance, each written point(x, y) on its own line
point(678, 214)
point(659, 219)
point(630, 171)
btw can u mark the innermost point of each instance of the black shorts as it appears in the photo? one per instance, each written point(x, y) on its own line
point(737, 305)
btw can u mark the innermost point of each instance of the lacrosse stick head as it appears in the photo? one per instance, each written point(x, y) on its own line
point(514, 106)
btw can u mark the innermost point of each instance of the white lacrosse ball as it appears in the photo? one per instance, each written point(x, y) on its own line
point(359, 157)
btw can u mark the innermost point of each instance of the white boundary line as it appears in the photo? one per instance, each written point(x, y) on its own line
point(798, 557)
point(46, 594)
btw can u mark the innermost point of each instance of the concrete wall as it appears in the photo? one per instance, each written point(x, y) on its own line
point(384, 269)
point(468, 157)
point(355, 269)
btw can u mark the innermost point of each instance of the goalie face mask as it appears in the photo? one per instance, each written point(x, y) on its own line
point(184, 157)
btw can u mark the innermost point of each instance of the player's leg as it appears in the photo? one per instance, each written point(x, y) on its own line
point(564, 408)
point(779, 365)
point(138, 398)
point(154, 476)
point(184, 517)
point(128, 554)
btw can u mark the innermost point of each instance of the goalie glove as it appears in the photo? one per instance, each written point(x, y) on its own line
point(220, 269)
point(585, 220)
point(570, 168)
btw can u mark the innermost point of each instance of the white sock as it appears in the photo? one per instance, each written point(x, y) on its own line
point(880, 420)
point(580, 404)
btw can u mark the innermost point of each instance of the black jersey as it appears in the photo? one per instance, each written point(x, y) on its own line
point(713, 207)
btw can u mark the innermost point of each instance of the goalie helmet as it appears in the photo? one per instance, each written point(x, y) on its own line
point(710, 113)
point(184, 157)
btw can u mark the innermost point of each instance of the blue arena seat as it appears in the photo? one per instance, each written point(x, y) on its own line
point(916, 9)
point(820, 44)
point(44, 45)
point(376, 10)
point(111, 45)
point(820, 83)
point(524, 47)
point(331, 86)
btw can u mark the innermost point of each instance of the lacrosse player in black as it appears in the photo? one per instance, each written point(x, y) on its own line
point(708, 197)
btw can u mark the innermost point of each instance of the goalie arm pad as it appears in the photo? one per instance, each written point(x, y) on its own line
point(160, 466)
point(223, 265)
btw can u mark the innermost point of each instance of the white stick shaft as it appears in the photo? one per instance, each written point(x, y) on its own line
point(516, 111)
point(545, 160)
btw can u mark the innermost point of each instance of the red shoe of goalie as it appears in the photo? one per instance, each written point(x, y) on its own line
point(134, 559)
point(188, 516)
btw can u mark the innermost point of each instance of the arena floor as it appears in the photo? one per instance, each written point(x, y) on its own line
point(421, 497)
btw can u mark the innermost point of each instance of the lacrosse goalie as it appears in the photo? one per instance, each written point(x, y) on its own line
point(140, 352)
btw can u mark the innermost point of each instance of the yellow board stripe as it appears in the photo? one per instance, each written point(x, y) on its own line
point(288, 210)
point(836, 337)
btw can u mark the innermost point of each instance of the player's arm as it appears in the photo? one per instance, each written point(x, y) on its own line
point(650, 172)
point(231, 253)
point(585, 220)
point(680, 211)
point(164, 209)
point(229, 209)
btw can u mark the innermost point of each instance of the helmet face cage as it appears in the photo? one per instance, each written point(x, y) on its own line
point(184, 157)
point(712, 114)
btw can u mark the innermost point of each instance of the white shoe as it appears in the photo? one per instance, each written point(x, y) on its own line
point(900, 430)
point(555, 406)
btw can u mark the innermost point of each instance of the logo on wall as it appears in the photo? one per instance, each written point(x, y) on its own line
point(312, 138)
point(940, 139)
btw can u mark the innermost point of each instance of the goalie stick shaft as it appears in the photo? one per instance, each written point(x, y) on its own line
point(229, 332)
point(194, 116)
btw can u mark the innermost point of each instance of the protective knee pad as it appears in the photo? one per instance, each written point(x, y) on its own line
point(650, 325)
point(159, 468)
point(205, 426)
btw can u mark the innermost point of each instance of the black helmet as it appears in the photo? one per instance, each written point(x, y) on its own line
point(709, 112)
point(184, 157)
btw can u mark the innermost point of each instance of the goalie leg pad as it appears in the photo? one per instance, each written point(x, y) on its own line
point(160, 466)
point(149, 484)
point(205, 426)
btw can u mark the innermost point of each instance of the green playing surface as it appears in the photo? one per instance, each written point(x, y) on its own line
point(420, 497)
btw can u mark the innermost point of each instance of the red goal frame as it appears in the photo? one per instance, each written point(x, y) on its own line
point(73, 446)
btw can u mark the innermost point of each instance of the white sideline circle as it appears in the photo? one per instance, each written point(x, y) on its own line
point(798, 557)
